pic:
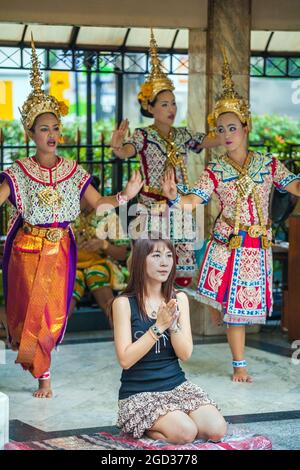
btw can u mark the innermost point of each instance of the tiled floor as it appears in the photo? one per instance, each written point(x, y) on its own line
point(86, 381)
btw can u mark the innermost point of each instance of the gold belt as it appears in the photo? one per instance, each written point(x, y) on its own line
point(254, 231)
point(150, 189)
point(51, 234)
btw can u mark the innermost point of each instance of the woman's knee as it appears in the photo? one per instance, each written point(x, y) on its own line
point(217, 430)
point(184, 433)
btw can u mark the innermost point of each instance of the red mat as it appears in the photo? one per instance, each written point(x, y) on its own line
point(103, 440)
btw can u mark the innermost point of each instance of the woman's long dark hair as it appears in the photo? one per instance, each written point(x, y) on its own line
point(137, 282)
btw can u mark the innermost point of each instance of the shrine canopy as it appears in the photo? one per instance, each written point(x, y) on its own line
point(114, 38)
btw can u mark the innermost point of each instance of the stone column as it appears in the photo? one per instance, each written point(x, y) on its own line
point(197, 96)
point(229, 23)
point(229, 26)
point(197, 113)
point(197, 105)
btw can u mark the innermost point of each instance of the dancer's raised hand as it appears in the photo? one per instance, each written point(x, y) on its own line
point(168, 184)
point(119, 134)
point(134, 185)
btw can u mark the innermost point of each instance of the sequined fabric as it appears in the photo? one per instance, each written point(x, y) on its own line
point(37, 303)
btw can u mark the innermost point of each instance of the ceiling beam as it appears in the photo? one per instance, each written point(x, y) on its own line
point(73, 37)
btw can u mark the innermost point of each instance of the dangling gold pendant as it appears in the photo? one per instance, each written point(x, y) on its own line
point(172, 157)
point(245, 185)
point(49, 197)
point(235, 242)
point(266, 243)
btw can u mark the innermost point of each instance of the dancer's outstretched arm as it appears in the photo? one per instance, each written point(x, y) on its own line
point(95, 199)
point(210, 142)
point(294, 188)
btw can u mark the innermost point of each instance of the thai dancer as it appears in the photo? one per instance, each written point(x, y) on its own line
point(236, 273)
point(160, 146)
point(39, 262)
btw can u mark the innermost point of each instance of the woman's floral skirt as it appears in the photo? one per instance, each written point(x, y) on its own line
point(139, 412)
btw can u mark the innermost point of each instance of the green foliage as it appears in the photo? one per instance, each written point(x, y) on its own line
point(102, 127)
point(14, 135)
point(279, 132)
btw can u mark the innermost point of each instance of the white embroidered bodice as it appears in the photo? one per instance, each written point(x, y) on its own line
point(152, 148)
point(27, 179)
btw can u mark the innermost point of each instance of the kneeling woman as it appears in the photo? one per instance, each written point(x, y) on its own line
point(152, 331)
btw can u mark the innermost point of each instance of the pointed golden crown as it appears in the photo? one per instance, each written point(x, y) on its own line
point(38, 102)
point(157, 81)
point(229, 101)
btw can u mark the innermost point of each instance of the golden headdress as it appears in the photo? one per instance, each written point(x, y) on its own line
point(38, 102)
point(157, 81)
point(230, 101)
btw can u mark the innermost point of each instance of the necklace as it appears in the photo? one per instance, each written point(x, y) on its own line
point(49, 196)
point(173, 157)
point(153, 313)
point(244, 184)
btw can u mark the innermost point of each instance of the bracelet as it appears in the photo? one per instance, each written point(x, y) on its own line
point(156, 331)
point(153, 334)
point(45, 376)
point(121, 199)
point(241, 363)
point(173, 202)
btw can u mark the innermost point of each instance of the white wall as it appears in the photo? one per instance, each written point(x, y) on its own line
point(274, 96)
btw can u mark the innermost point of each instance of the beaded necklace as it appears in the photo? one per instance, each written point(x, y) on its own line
point(49, 196)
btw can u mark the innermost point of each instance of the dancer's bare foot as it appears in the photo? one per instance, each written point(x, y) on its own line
point(44, 390)
point(240, 374)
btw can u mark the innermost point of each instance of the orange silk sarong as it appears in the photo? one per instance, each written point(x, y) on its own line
point(37, 298)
